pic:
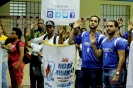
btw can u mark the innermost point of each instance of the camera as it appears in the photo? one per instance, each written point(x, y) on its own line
point(71, 24)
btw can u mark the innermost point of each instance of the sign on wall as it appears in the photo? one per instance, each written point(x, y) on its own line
point(62, 12)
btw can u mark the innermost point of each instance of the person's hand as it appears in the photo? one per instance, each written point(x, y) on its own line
point(77, 23)
point(16, 66)
point(3, 46)
point(40, 53)
point(115, 78)
point(130, 26)
point(120, 22)
point(25, 24)
point(92, 38)
point(27, 33)
point(61, 30)
point(77, 46)
point(32, 24)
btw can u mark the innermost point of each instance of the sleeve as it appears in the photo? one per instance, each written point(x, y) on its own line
point(78, 39)
point(102, 38)
point(21, 44)
point(32, 45)
point(101, 46)
point(38, 40)
point(120, 45)
point(125, 36)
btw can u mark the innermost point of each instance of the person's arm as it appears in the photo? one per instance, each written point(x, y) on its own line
point(25, 27)
point(72, 33)
point(129, 38)
point(21, 50)
point(38, 40)
point(71, 37)
point(32, 29)
point(120, 46)
point(61, 32)
point(97, 52)
point(130, 28)
point(6, 34)
point(27, 43)
point(121, 55)
point(9, 49)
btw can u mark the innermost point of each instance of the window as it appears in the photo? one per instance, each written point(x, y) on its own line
point(17, 8)
point(27, 9)
point(113, 12)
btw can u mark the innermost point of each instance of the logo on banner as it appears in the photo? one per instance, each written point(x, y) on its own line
point(65, 14)
point(50, 14)
point(57, 14)
point(49, 71)
point(72, 14)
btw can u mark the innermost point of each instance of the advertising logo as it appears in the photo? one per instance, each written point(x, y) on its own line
point(72, 14)
point(57, 14)
point(65, 14)
point(50, 14)
point(49, 70)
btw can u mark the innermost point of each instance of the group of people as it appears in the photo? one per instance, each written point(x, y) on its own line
point(101, 60)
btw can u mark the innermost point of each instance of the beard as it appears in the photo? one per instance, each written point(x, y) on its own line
point(112, 33)
point(93, 27)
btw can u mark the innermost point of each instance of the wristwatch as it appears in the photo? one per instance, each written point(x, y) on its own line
point(117, 73)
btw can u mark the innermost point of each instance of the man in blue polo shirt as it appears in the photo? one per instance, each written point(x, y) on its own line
point(91, 69)
point(112, 50)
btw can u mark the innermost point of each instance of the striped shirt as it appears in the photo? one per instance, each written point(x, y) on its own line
point(4, 51)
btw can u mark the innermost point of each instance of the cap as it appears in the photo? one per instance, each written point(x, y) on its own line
point(50, 22)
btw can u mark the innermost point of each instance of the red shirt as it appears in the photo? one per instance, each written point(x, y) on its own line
point(14, 56)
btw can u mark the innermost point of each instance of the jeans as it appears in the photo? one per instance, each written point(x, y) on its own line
point(91, 78)
point(107, 78)
point(78, 79)
point(4, 81)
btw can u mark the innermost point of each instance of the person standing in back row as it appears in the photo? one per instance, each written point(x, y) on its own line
point(91, 69)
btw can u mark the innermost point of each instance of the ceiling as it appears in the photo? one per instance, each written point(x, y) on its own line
point(2, 2)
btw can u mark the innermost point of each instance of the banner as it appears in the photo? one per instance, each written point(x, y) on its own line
point(0, 67)
point(62, 12)
point(58, 65)
point(130, 68)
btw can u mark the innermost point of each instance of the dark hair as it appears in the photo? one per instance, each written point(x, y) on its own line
point(96, 17)
point(115, 22)
point(40, 19)
point(8, 40)
point(18, 32)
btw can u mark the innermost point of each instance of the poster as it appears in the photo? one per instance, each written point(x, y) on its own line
point(62, 12)
point(59, 62)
